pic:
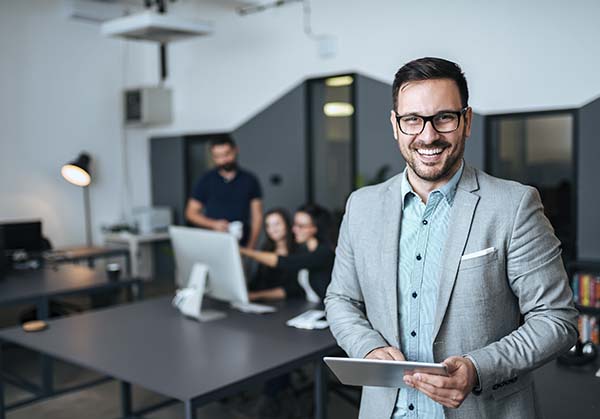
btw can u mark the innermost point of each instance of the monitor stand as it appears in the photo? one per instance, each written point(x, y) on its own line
point(189, 300)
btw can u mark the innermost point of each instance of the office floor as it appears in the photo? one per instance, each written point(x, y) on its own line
point(103, 400)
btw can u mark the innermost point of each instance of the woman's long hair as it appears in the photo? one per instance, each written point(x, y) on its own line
point(269, 245)
point(322, 220)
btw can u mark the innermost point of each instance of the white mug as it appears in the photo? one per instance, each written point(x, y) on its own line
point(236, 229)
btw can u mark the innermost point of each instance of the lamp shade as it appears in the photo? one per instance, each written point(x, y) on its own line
point(77, 172)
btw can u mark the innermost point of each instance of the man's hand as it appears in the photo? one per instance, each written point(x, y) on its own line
point(220, 225)
point(388, 353)
point(449, 391)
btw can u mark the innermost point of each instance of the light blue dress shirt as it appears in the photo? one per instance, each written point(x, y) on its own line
point(422, 238)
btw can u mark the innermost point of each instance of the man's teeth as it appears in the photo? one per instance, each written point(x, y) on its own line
point(429, 151)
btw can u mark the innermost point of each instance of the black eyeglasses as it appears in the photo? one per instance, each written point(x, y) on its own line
point(443, 122)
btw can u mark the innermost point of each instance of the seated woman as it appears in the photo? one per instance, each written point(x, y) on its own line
point(280, 240)
point(311, 226)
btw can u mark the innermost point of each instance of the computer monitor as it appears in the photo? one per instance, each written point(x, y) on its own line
point(220, 252)
point(22, 235)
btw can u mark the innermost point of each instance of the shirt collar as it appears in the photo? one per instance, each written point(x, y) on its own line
point(225, 180)
point(448, 190)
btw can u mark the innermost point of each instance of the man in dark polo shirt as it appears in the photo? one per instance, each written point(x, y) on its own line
point(227, 193)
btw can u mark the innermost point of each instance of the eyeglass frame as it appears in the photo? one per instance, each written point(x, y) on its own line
point(429, 119)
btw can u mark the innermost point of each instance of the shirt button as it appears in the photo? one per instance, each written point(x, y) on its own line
point(414, 295)
point(413, 333)
point(411, 407)
point(424, 222)
point(419, 257)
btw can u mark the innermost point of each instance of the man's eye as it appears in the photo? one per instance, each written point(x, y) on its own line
point(445, 117)
point(410, 120)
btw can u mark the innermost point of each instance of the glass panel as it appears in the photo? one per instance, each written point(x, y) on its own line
point(331, 111)
point(538, 150)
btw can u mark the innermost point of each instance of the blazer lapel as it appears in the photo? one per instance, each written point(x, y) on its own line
point(462, 212)
point(392, 210)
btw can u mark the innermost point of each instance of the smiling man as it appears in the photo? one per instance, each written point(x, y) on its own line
point(444, 263)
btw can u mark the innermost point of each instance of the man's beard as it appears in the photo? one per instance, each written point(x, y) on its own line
point(228, 167)
point(433, 176)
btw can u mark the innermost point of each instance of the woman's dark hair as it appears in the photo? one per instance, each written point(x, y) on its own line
point(322, 219)
point(430, 68)
point(269, 244)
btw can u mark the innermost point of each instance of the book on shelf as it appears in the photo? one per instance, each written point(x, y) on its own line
point(589, 330)
point(586, 289)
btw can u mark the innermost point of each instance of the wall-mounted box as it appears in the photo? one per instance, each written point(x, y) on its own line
point(147, 105)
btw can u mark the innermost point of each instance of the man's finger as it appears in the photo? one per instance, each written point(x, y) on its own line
point(447, 398)
point(395, 353)
point(379, 353)
point(452, 364)
point(432, 389)
point(435, 380)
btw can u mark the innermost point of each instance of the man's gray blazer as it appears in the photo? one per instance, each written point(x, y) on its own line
point(510, 309)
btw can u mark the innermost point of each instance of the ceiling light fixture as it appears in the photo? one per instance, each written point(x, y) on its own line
point(339, 81)
point(338, 109)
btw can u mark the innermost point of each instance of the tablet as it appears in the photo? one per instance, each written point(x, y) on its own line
point(378, 373)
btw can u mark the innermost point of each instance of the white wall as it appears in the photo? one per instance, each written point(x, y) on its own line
point(517, 55)
point(60, 86)
point(60, 81)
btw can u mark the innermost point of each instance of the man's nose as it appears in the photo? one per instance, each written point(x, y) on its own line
point(429, 133)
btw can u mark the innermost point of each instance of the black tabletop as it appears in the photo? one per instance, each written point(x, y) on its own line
point(21, 286)
point(151, 344)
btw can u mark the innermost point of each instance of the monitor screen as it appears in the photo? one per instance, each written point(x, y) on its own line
point(22, 236)
point(220, 252)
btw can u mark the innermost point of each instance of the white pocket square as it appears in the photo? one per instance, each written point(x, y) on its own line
point(478, 253)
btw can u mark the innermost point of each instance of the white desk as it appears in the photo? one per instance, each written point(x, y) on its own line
point(140, 250)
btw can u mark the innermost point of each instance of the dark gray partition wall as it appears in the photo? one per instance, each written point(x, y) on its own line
point(376, 146)
point(168, 183)
point(273, 142)
point(588, 200)
point(475, 146)
point(272, 145)
point(176, 163)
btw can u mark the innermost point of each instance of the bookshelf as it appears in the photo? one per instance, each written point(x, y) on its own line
point(584, 277)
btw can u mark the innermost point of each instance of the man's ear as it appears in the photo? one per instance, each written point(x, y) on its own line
point(394, 124)
point(468, 120)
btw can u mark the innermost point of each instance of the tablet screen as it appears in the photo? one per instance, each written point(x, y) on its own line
point(378, 373)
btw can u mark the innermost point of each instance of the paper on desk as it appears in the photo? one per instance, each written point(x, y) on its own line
point(317, 325)
point(309, 320)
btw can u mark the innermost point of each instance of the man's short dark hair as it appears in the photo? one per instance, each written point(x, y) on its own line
point(431, 68)
point(222, 140)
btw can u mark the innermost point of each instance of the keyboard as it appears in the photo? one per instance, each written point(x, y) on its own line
point(253, 308)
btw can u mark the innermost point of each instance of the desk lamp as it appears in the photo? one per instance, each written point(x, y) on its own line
point(77, 172)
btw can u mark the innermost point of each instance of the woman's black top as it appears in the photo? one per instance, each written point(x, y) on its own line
point(266, 278)
point(319, 264)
